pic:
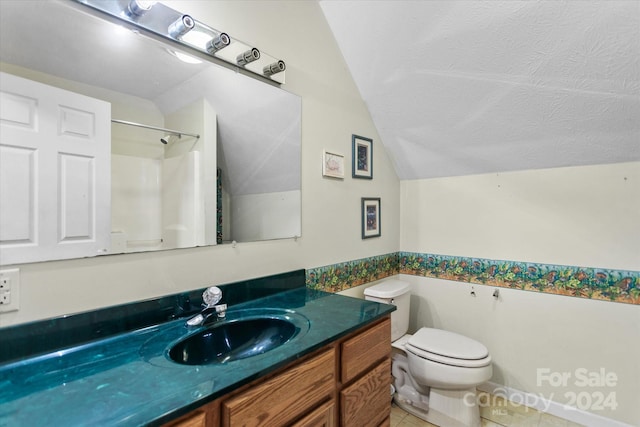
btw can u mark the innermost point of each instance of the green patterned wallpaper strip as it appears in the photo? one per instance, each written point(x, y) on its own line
point(584, 282)
point(345, 275)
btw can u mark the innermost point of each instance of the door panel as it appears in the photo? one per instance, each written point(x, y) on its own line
point(55, 172)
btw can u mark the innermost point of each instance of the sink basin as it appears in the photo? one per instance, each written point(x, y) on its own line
point(244, 333)
point(231, 340)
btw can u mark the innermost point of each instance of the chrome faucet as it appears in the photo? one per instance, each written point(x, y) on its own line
point(211, 297)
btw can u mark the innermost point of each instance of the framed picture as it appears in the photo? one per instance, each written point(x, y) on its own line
point(362, 157)
point(370, 217)
point(332, 165)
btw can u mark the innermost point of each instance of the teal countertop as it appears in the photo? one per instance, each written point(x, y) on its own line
point(127, 380)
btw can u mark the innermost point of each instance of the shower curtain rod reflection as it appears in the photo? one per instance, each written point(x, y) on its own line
point(173, 132)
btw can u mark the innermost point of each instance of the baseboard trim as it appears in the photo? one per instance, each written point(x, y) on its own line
point(568, 413)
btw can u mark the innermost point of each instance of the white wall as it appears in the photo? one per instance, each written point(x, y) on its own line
point(183, 201)
point(136, 203)
point(332, 111)
point(199, 118)
point(265, 216)
point(583, 216)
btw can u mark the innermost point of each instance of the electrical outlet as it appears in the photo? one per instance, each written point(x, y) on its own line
point(9, 290)
point(5, 298)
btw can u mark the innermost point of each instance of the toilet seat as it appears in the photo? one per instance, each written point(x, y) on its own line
point(448, 348)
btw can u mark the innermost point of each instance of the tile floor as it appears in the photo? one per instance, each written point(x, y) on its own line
point(495, 412)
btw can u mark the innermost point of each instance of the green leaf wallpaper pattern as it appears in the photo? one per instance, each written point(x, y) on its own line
point(584, 282)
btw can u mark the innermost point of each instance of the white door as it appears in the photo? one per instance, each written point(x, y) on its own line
point(55, 173)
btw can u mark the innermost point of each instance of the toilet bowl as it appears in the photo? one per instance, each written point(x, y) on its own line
point(435, 371)
point(447, 360)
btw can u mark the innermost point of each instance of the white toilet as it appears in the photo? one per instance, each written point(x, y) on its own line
point(435, 371)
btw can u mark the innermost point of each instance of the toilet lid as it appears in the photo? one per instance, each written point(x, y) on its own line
point(447, 344)
point(387, 289)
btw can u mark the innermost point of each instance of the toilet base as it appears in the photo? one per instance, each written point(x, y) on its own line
point(454, 408)
point(451, 408)
point(407, 406)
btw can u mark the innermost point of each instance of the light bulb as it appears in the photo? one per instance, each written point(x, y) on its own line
point(219, 42)
point(274, 68)
point(181, 26)
point(251, 55)
point(139, 7)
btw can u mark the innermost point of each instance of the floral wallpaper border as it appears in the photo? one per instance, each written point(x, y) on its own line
point(584, 282)
point(345, 275)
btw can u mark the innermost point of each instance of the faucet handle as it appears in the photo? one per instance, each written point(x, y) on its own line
point(196, 320)
point(212, 296)
point(221, 310)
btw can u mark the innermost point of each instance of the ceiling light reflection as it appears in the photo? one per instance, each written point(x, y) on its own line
point(184, 57)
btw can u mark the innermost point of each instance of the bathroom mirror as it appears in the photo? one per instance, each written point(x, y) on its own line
point(239, 180)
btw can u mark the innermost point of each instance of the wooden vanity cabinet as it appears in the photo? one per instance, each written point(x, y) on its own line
point(195, 419)
point(362, 350)
point(367, 401)
point(345, 383)
point(286, 397)
point(206, 416)
point(365, 398)
point(323, 416)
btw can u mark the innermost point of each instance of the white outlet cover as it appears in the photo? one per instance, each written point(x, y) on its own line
point(12, 276)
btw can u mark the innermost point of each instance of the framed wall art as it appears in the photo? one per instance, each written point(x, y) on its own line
point(370, 217)
point(332, 165)
point(362, 157)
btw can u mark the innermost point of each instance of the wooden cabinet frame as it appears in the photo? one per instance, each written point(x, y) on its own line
point(345, 383)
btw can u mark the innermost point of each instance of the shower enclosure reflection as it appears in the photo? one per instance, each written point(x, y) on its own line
point(239, 181)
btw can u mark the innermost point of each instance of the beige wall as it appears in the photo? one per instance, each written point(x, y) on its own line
point(581, 216)
point(332, 111)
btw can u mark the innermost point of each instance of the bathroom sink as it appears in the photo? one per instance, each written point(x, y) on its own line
point(231, 340)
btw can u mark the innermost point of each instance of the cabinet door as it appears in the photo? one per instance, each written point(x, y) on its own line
point(366, 402)
point(285, 397)
point(55, 173)
point(323, 416)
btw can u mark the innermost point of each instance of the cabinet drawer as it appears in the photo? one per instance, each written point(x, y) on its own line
point(195, 419)
point(323, 416)
point(366, 402)
point(365, 349)
point(285, 397)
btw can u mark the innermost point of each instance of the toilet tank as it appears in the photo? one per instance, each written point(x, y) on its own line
point(394, 292)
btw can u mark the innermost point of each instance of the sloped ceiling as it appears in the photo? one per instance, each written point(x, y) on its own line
point(471, 87)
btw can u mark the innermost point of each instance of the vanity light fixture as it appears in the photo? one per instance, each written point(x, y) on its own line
point(221, 41)
point(276, 67)
point(157, 19)
point(137, 8)
point(196, 38)
point(181, 26)
point(251, 55)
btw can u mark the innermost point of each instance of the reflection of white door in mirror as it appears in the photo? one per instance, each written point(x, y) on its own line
point(54, 173)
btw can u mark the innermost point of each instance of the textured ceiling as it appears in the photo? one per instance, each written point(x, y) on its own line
point(470, 87)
